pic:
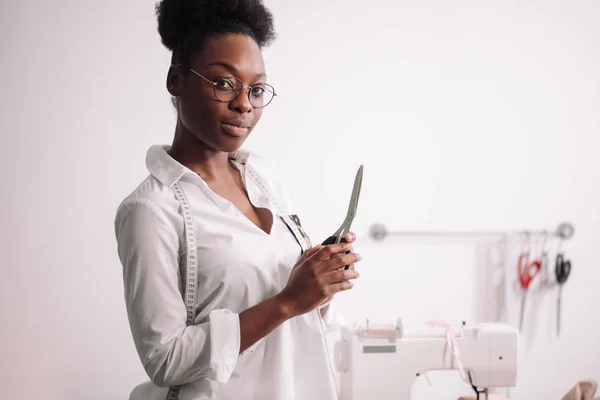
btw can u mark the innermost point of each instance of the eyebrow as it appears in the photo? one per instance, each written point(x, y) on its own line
point(234, 69)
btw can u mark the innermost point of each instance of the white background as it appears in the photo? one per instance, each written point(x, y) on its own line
point(465, 114)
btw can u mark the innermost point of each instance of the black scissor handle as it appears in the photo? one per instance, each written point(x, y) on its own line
point(563, 269)
point(332, 240)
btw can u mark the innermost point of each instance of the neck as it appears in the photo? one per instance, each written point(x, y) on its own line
point(210, 164)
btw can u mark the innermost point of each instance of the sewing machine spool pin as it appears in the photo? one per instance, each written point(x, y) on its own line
point(374, 331)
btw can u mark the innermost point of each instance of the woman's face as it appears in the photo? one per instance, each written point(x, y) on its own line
point(221, 126)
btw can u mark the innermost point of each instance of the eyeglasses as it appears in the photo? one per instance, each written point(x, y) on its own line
point(228, 89)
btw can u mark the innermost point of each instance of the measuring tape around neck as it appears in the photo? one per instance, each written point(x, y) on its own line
point(191, 277)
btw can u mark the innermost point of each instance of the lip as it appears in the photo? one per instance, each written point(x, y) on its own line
point(236, 127)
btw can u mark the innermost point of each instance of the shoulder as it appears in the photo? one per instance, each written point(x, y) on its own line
point(149, 202)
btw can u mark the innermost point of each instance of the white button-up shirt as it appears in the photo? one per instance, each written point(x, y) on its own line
point(239, 265)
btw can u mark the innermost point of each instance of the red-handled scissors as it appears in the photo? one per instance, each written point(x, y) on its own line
point(527, 271)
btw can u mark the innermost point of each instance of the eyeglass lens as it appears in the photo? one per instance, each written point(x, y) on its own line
point(229, 89)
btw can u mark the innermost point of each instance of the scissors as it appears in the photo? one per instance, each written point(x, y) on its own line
point(339, 235)
point(527, 271)
point(562, 270)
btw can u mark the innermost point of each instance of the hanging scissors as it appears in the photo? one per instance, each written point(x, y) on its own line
point(562, 271)
point(339, 235)
point(527, 271)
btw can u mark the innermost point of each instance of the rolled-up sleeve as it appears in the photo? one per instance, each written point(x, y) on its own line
point(171, 352)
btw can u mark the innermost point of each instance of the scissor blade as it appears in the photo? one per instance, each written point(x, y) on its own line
point(355, 193)
point(345, 227)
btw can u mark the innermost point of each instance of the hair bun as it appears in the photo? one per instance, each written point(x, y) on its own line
point(177, 18)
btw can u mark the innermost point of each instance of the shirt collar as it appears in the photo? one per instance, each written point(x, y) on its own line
point(168, 171)
point(241, 156)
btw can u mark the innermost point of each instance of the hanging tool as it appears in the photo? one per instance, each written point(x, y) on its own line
point(563, 270)
point(339, 235)
point(526, 271)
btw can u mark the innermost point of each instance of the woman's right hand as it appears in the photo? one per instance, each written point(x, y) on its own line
point(317, 276)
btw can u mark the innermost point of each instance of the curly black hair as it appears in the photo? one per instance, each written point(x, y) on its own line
point(183, 25)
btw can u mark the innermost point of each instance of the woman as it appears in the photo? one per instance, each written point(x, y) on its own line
point(225, 298)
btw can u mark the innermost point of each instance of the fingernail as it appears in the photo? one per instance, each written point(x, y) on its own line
point(358, 257)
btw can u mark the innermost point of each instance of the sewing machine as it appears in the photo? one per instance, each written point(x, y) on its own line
point(383, 361)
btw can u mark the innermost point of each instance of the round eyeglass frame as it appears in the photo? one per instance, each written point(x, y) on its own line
point(239, 91)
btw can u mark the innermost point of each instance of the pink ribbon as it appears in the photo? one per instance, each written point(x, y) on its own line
point(451, 343)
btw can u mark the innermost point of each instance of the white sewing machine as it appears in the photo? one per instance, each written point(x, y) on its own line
point(383, 361)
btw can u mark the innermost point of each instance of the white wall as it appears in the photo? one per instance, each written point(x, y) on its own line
point(466, 115)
